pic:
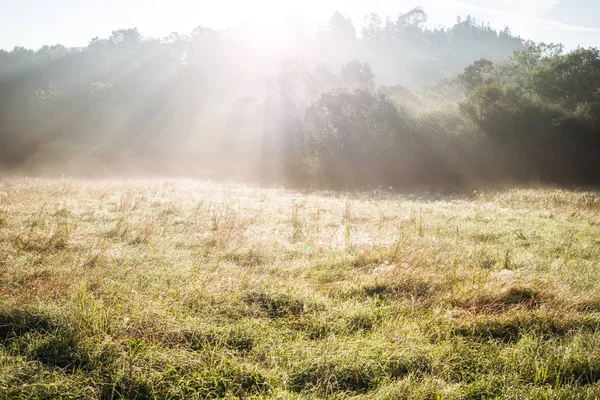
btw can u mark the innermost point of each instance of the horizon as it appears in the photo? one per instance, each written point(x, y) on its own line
point(571, 24)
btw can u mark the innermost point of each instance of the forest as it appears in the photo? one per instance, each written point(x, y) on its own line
point(397, 104)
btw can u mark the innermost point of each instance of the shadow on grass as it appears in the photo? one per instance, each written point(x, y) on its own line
point(276, 305)
point(510, 328)
point(359, 376)
point(40, 337)
point(236, 339)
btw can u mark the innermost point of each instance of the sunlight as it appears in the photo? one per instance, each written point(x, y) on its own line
point(271, 27)
point(265, 23)
point(276, 199)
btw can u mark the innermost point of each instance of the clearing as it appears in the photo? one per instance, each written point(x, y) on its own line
point(183, 289)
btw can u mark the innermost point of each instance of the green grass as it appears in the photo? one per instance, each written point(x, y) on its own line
point(182, 289)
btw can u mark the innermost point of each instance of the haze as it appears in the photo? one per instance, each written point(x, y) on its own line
point(313, 199)
point(303, 94)
point(33, 24)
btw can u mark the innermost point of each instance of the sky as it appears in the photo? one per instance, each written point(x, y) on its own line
point(34, 23)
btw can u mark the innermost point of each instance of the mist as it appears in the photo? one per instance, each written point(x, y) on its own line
point(395, 103)
point(376, 208)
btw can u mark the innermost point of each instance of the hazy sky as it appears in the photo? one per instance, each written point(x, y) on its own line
point(33, 23)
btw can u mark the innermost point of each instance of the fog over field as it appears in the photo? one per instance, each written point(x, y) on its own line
point(386, 204)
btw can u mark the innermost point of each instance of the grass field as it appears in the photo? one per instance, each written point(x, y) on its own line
point(182, 289)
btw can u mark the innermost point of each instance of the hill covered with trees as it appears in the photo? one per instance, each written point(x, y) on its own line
point(396, 104)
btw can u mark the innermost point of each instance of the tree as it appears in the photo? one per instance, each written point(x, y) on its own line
point(372, 32)
point(342, 26)
point(356, 73)
point(475, 74)
point(570, 79)
point(414, 18)
point(527, 62)
point(125, 38)
point(351, 132)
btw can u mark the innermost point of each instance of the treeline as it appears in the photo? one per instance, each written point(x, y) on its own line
point(397, 104)
point(533, 118)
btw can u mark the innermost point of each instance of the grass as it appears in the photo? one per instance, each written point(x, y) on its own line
point(180, 289)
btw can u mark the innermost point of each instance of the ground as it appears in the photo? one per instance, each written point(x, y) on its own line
point(183, 289)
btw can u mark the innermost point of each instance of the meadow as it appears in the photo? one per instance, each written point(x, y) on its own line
point(174, 289)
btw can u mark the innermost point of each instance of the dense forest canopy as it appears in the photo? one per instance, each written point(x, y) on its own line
point(394, 104)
